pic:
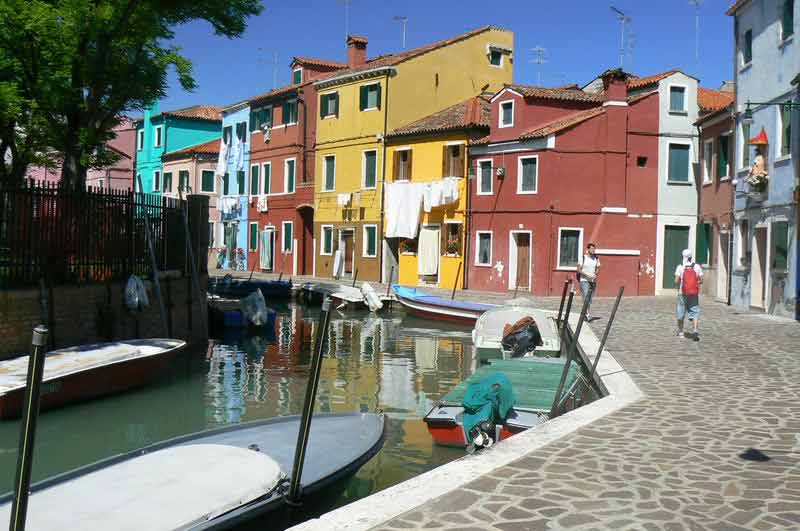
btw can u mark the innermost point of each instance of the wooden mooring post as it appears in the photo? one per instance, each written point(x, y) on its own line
point(572, 346)
point(192, 262)
point(389, 282)
point(606, 331)
point(455, 282)
point(567, 283)
point(355, 277)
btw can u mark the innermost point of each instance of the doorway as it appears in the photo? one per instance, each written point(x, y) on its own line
point(676, 239)
point(520, 260)
point(306, 258)
point(347, 245)
point(758, 269)
point(267, 250)
point(723, 257)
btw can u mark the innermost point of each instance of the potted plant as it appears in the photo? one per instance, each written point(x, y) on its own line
point(408, 245)
point(453, 247)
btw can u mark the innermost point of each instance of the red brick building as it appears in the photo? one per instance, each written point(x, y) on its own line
point(282, 151)
point(561, 168)
point(715, 217)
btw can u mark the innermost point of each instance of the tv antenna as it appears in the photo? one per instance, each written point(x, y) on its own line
point(538, 59)
point(623, 19)
point(403, 22)
point(696, 4)
point(346, 16)
point(273, 62)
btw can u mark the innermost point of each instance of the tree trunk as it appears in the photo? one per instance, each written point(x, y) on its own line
point(73, 172)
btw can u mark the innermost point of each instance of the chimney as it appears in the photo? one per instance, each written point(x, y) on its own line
point(356, 51)
point(728, 86)
point(615, 87)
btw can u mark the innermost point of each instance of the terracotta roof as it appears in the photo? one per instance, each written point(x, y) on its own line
point(572, 86)
point(473, 112)
point(207, 148)
point(561, 124)
point(255, 100)
point(713, 100)
point(195, 112)
point(639, 97)
point(735, 7)
point(318, 62)
point(565, 94)
point(641, 82)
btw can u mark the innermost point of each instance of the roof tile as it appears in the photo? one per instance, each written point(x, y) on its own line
point(473, 112)
point(641, 82)
point(318, 62)
point(207, 148)
point(562, 123)
point(564, 94)
point(195, 112)
point(710, 100)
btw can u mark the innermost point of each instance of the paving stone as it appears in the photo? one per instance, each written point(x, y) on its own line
point(515, 513)
point(527, 525)
point(576, 519)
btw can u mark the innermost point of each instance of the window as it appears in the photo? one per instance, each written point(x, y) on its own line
point(452, 234)
point(370, 168)
point(227, 134)
point(369, 97)
point(723, 151)
point(260, 118)
point(183, 181)
point(207, 182)
point(402, 165)
point(453, 165)
point(744, 244)
point(329, 170)
point(288, 175)
point(100, 183)
point(483, 250)
point(329, 105)
point(787, 20)
point(326, 240)
point(167, 188)
point(678, 163)
point(252, 239)
point(370, 249)
point(140, 140)
point(297, 76)
point(785, 121)
point(156, 181)
point(527, 175)
point(641, 162)
point(780, 245)
point(708, 160)
point(290, 112)
point(677, 99)
point(255, 185)
point(485, 179)
point(570, 243)
point(495, 58)
point(703, 243)
point(226, 184)
point(745, 145)
point(157, 136)
point(267, 173)
point(241, 131)
point(287, 237)
point(240, 182)
point(507, 114)
point(747, 47)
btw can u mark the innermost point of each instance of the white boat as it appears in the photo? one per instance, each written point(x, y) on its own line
point(487, 336)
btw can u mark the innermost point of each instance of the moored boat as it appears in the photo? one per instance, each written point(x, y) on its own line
point(207, 480)
point(422, 304)
point(80, 373)
point(487, 336)
point(231, 288)
point(534, 382)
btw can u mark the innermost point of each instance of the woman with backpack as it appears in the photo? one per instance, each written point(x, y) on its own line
point(688, 276)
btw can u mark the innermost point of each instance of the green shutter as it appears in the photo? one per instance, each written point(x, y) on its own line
point(701, 244)
point(371, 237)
point(254, 186)
point(722, 156)
point(335, 97)
point(287, 238)
point(362, 97)
point(323, 100)
point(253, 236)
point(183, 180)
point(290, 166)
point(167, 182)
point(378, 95)
point(208, 181)
point(240, 181)
point(267, 177)
point(780, 245)
point(787, 26)
point(748, 46)
point(225, 184)
point(285, 112)
point(370, 168)
point(745, 145)
point(253, 120)
point(678, 163)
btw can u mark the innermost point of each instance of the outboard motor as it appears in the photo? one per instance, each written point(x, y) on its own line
point(522, 337)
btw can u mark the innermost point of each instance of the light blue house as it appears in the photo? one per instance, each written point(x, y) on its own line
point(765, 260)
point(234, 159)
point(163, 132)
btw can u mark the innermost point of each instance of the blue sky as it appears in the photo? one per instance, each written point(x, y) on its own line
point(582, 38)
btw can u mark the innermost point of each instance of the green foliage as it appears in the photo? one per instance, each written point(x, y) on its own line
point(69, 69)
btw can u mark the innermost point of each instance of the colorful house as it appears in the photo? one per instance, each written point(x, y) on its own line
point(715, 216)
point(764, 275)
point(430, 152)
point(193, 169)
point(163, 132)
point(358, 106)
point(563, 167)
point(282, 150)
point(232, 165)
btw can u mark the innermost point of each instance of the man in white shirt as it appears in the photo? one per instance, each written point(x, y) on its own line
point(688, 277)
point(587, 270)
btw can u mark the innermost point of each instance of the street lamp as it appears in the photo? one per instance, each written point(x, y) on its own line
point(747, 117)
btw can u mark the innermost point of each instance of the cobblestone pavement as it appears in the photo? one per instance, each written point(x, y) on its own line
point(675, 459)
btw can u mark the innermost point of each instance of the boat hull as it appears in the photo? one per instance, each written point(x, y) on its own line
point(439, 313)
point(446, 428)
point(94, 382)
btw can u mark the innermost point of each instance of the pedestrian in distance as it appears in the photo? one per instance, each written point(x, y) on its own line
point(587, 271)
point(688, 277)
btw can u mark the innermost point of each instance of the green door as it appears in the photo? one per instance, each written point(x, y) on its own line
point(676, 239)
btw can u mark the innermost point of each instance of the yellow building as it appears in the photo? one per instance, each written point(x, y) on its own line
point(358, 107)
point(432, 150)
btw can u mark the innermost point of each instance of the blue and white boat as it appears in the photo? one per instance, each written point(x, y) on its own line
point(422, 304)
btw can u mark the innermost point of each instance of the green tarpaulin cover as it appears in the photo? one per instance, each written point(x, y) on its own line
point(488, 399)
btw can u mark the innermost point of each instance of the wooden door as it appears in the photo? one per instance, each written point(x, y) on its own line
point(676, 239)
point(347, 246)
point(523, 259)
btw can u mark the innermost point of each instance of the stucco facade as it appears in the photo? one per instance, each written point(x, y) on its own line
point(235, 197)
point(766, 59)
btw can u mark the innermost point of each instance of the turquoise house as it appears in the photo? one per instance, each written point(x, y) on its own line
point(163, 132)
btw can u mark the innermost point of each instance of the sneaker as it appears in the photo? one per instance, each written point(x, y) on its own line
point(695, 337)
point(681, 334)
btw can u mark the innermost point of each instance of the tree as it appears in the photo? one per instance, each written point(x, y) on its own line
point(69, 69)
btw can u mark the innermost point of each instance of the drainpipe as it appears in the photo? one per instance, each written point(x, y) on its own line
point(383, 182)
point(734, 114)
point(468, 216)
point(301, 99)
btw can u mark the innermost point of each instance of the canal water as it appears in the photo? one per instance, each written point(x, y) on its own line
point(393, 362)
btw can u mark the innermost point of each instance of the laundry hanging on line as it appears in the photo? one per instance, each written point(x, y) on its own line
point(342, 199)
point(402, 208)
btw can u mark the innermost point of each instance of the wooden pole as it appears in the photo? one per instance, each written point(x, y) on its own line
point(153, 261)
point(193, 263)
point(455, 282)
point(605, 333)
point(294, 494)
point(567, 282)
point(389, 283)
point(355, 277)
point(27, 436)
point(562, 336)
point(572, 346)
